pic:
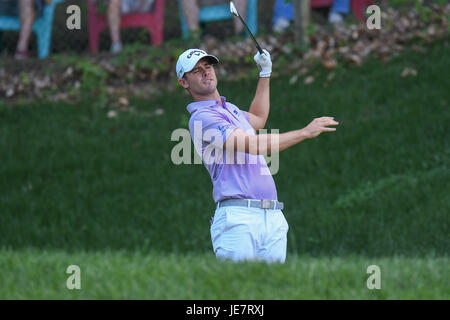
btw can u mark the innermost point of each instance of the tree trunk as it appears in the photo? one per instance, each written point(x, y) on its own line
point(301, 16)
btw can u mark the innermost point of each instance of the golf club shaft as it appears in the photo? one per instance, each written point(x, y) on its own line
point(251, 35)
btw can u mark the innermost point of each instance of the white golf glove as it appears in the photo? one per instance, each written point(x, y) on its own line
point(264, 64)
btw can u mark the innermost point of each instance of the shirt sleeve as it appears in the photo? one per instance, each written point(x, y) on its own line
point(210, 128)
point(245, 113)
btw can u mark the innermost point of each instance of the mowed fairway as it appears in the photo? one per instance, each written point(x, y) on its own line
point(102, 193)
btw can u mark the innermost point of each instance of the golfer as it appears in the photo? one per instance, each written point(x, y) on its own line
point(248, 223)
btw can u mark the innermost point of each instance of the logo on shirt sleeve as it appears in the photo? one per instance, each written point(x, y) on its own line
point(223, 128)
point(235, 112)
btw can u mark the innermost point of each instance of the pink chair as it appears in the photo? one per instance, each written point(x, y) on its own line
point(152, 21)
point(358, 6)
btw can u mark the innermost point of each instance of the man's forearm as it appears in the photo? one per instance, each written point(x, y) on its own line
point(261, 103)
point(271, 143)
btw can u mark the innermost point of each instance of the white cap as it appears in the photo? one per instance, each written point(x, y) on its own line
point(188, 59)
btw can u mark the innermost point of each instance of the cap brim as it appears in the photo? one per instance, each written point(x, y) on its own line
point(212, 59)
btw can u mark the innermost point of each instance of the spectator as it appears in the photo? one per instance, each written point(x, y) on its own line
point(284, 13)
point(115, 9)
point(113, 15)
point(27, 11)
point(191, 13)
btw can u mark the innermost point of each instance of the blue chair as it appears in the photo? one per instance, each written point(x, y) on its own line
point(221, 12)
point(42, 26)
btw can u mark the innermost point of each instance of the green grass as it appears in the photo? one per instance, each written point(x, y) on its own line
point(80, 188)
point(147, 275)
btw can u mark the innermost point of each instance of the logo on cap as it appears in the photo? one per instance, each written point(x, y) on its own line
point(180, 72)
point(195, 52)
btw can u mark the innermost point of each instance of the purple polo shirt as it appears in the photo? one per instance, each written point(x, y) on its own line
point(210, 125)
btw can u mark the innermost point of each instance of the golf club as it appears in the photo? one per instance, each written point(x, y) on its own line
point(236, 13)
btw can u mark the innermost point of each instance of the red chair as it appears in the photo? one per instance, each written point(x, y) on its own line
point(152, 21)
point(358, 6)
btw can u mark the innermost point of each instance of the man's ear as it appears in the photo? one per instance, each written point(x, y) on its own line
point(183, 82)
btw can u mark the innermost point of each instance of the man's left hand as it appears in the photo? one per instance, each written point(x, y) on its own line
point(264, 63)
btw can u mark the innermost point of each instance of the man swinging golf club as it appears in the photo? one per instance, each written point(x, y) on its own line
point(248, 223)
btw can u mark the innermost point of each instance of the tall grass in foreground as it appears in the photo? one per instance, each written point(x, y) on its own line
point(32, 274)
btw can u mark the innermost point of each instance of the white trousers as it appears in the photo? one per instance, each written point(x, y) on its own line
point(240, 233)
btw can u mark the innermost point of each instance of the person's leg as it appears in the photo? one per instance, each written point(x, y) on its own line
point(233, 233)
point(113, 16)
point(241, 6)
point(275, 242)
point(27, 15)
point(191, 13)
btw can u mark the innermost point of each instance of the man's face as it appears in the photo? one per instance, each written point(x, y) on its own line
point(201, 80)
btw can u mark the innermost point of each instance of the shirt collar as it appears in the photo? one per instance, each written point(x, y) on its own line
point(194, 106)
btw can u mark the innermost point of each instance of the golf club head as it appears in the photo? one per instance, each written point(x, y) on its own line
point(233, 9)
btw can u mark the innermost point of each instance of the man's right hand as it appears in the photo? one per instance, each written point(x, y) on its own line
point(264, 63)
point(319, 125)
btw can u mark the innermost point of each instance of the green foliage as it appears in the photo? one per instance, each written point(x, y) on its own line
point(311, 30)
point(102, 7)
point(400, 3)
point(411, 3)
point(370, 191)
point(24, 78)
point(93, 76)
point(424, 12)
point(66, 60)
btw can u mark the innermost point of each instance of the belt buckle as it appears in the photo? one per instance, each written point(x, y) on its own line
point(266, 204)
